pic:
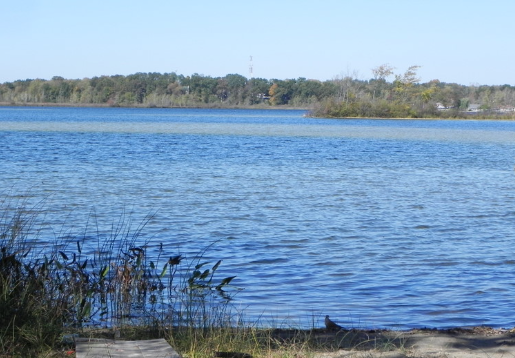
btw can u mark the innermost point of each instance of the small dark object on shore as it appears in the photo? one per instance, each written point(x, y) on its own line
point(330, 325)
point(232, 355)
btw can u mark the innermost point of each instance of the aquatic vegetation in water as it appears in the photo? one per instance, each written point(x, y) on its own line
point(44, 291)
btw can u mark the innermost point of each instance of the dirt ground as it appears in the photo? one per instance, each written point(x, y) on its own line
point(457, 343)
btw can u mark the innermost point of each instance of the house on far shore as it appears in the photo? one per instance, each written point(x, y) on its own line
point(474, 107)
point(507, 109)
point(442, 107)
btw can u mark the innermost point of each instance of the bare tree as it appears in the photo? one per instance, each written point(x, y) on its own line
point(345, 85)
point(382, 72)
point(410, 76)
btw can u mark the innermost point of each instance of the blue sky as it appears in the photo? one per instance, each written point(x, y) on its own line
point(466, 42)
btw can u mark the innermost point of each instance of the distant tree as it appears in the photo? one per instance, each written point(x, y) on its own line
point(236, 86)
point(382, 72)
point(281, 92)
point(410, 77)
point(256, 90)
point(202, 87)
point(34, 91)
point(273, 93)
point(222, 89)
point(404, 83)
point(347, 86)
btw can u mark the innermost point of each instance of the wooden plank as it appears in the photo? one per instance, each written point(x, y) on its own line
point(107, 348)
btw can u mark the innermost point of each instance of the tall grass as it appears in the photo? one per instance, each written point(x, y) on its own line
point(28, 315)
point(46, 292)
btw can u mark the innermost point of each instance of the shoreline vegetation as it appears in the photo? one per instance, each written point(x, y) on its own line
point(386, 95)
point(310, 112)
point(50, 295)
point(71, 286)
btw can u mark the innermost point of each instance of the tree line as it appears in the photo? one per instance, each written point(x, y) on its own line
point(386, 95)
point(168, 90)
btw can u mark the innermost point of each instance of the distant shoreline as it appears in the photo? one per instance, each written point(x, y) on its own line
point(471, 116)
point(106, 105)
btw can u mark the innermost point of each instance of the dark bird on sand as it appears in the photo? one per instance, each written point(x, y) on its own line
point(331, 326)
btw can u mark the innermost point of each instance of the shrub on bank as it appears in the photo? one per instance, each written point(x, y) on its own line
point(397, 109)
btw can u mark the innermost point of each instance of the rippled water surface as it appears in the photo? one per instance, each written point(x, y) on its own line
point(378, 223)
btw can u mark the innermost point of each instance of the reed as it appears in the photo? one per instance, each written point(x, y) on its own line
point(47, 292)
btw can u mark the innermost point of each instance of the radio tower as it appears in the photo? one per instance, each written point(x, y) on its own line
point(251, 67)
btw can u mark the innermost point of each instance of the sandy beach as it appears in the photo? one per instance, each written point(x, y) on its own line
point(458, 343)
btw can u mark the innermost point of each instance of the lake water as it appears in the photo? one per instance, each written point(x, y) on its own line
point(378, 223)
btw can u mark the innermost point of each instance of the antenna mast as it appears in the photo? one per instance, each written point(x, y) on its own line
point(251, 68)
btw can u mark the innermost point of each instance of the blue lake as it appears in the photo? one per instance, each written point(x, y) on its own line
point(378, 223)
